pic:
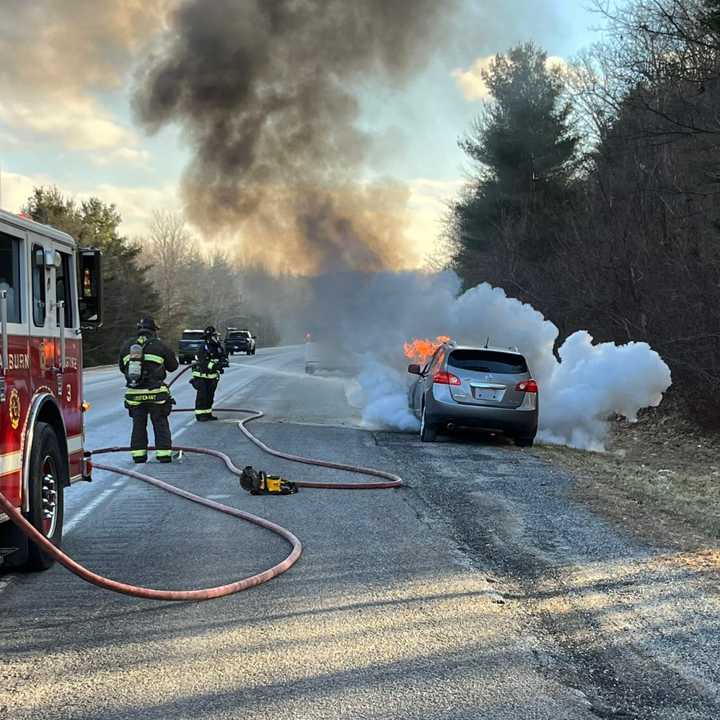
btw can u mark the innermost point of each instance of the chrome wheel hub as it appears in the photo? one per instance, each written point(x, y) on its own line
point(49, 496)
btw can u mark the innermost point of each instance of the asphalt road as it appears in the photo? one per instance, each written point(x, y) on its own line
point(477, 591)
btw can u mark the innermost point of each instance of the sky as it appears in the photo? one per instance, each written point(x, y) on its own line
point(68, 68)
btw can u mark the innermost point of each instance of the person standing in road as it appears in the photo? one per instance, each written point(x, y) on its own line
point(208, 365)
point(145, 361)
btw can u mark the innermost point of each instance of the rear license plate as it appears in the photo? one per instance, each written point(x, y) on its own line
point(491, 395)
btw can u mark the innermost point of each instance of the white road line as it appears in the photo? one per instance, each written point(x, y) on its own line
point(77, 519)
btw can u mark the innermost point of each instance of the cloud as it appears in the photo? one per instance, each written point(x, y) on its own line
point(78, 122)
point(471, 82)
point(427, 211)
point(126, 155)
point(473, 86)
point(16, 189)
point(62, 55)
point(135, 204)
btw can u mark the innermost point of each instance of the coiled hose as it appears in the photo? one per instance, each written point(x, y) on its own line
point(389, 480)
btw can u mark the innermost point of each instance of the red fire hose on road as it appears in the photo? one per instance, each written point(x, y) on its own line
point(390, 480)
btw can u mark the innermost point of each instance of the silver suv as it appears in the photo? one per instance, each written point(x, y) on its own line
point(488, 388)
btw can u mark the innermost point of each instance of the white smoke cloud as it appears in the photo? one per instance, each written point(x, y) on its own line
point(375, 314)
point(383, 397)
point(594, 381)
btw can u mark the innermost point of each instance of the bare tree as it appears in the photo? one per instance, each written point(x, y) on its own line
point(173, 261)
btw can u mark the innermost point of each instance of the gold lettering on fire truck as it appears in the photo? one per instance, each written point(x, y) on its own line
point(14, 408)
point(18, 361)
point(41, 354)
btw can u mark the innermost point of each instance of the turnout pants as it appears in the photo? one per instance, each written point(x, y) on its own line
point(205, 397)
point(159, 414)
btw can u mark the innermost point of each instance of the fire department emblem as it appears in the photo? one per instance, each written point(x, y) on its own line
point(14, 408)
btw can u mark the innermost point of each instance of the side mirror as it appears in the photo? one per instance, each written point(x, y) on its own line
point(53, 258)
point(254, 337)
point(414, 370)
point(90, 288)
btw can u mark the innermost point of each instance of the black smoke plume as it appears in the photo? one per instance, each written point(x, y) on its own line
point(266, 94)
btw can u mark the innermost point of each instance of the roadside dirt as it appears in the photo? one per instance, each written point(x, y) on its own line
point(659, 480)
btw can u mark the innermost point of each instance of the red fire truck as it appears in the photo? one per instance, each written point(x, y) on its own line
point(50, 291)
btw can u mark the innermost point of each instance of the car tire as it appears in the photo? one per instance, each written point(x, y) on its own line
point(428, 431)
point(525, 440)
point(48, 473)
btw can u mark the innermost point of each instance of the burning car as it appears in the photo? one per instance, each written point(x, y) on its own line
point(487, 388)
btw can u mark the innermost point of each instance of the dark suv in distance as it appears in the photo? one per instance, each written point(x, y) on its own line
point(190, 342)
point(487, 388)
point(239, 341)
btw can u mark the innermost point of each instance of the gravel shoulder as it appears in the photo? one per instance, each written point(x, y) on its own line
point(659, 481)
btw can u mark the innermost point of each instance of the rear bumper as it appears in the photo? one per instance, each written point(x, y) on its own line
point(512, 421)
point(189, 351)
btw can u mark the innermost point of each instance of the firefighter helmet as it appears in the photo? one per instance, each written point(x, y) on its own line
point(147, 323)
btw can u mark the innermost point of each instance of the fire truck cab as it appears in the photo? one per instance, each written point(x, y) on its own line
point(50, 290)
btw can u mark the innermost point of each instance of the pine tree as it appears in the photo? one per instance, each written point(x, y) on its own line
point(523, 148)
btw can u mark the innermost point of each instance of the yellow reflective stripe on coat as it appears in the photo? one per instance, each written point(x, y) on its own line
point(206, 376)
point(138, 396)
point(147, 391)
point(153, 358)
point(126, 359)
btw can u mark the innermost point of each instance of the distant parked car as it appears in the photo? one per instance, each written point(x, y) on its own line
point(488, 388)
point(239, 341)
point(190, 342)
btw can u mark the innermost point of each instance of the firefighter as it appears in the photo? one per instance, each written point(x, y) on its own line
point(208, 365)
point(145, 360)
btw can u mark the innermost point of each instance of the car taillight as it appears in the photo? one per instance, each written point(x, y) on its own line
point(446, 378)
point(527, 386)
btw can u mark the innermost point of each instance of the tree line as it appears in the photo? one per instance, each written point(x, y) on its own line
point(163, 274)
point(594, 192)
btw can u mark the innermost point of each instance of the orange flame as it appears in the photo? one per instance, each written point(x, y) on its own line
point(420, 351)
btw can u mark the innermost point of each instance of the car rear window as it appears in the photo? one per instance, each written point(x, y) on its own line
point(488, 361)
point(238, 334)
point(192, 336)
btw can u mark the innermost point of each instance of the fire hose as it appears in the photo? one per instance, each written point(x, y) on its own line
point(388, 480)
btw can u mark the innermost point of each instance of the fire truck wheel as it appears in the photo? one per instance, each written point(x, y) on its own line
point(48, 477)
